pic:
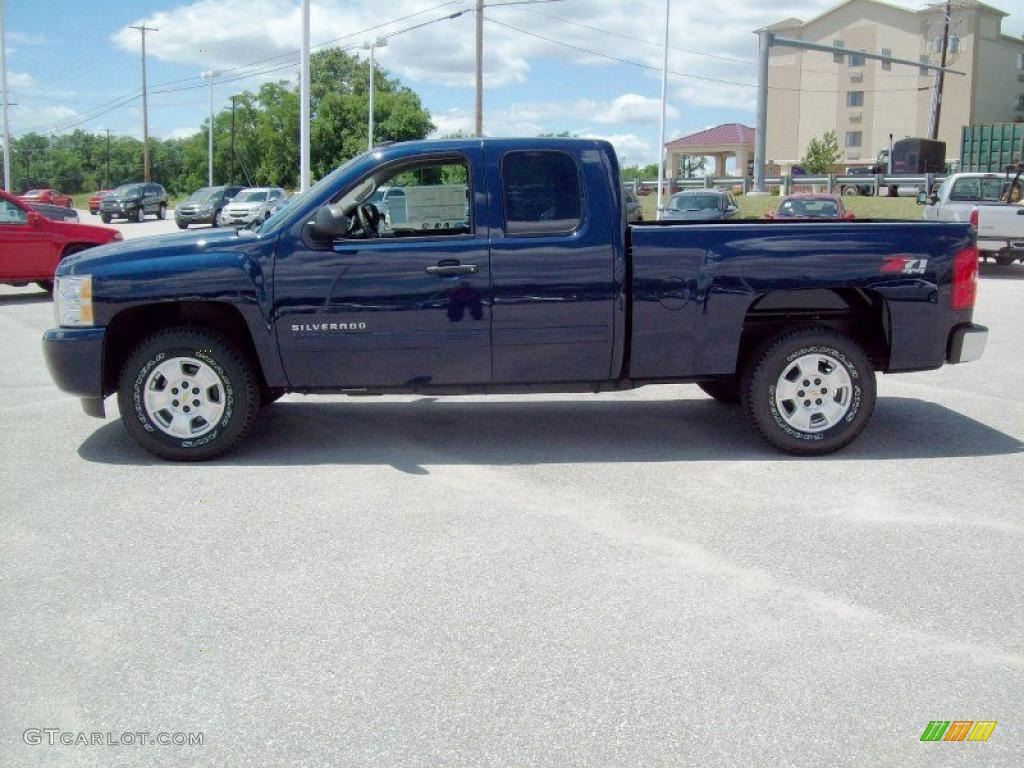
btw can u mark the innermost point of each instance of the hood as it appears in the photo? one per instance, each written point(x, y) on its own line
point(246, 206)
point(85, 233)
point(122, 198)
point(692, 215)
point(107, 257)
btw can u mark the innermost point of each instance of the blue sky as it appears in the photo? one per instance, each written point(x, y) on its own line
point(71, 61)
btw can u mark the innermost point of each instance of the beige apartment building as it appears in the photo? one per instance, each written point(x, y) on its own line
point(864, 101)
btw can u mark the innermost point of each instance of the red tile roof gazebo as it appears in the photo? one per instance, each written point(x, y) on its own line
point(720, 142)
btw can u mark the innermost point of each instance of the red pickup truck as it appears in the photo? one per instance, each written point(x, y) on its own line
point(32, 245)
point(48, 196)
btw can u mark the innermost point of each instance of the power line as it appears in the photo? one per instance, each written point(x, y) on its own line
point(677, 73)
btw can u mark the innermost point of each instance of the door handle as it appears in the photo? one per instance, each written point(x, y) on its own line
point(448, 270)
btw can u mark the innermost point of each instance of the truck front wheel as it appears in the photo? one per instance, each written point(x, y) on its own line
point(809, 392)
point(187, 394)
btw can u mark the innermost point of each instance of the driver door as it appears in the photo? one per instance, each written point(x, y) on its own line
point(410, 308)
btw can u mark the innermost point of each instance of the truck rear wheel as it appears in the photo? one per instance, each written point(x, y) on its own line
point(723, 390)
point(187, 394)
point(809, 392)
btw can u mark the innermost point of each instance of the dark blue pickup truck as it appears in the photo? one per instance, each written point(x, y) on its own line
point(506, 266)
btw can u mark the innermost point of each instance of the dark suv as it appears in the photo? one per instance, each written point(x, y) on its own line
point(134, 201)
point(203, 205)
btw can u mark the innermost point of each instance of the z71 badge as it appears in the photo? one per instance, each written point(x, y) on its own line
point(904, 265)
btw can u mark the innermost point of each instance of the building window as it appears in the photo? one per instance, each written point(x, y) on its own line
point(856, 60)
point(854, 138)
point(838, 57)
point(954, 44)
point(1020, 103)
point(887, 65)
point(1020, 61)
point(923, 71)
point(855, 98)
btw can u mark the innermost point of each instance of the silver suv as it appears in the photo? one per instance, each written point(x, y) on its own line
point(250, 205)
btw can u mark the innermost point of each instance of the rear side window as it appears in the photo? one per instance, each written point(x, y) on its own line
point(542, 193)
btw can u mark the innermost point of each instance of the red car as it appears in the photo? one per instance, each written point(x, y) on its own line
point(32, 245)
point(48, 196)
point(94, 201)
point(810, 207)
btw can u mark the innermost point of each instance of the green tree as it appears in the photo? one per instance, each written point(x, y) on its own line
point(691, 165)
point(821, 154)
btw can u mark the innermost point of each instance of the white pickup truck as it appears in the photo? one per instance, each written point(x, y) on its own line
point(1000, 224)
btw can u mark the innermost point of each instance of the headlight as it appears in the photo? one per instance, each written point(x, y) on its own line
point(73, 300)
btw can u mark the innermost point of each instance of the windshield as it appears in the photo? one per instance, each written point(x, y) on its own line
point(206, 193)
point(129, 189)
point(694, 203)
point(35, 192)
point(989, 190)
point(809, 209)
point(326, 182)
point(251, 196)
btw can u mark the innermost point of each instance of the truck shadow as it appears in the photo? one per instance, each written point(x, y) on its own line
point(409, 435)
point(17, 299)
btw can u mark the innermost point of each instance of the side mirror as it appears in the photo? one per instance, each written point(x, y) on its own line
point(849, 216)
point(922, 198)
point(731, 208)
point(34, 219)
point(330, 223)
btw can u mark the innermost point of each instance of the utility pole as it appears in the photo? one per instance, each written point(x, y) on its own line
point(143, 29)
point(664, 101)
point(231, 159)
point(7, 127)
point(106, 177)
point(209, 139)
point(304, 102)
point(380, 42)
point(479, 123)
point(940, 76)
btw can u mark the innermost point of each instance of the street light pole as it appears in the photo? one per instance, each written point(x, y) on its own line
point(106, 177)
point(664, 101)
point(479, 117)
point(304, 102)
point(7, 127)
point(380, 42)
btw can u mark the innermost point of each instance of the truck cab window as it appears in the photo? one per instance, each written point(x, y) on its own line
point(424, 200)
point(542, 193)
point(11, 214)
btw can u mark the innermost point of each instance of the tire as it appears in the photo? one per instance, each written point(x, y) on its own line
point(46, 285)
point(139, 214)
point(105, 218)
point(1005, 260)
point(182, 225)
point(201, 357)
point(162, 212)
point(851, 192)
point(723, 390)
point(817, 356)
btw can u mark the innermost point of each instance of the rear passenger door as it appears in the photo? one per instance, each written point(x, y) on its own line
point(552, 267)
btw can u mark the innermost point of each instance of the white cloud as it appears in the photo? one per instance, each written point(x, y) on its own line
point(26, 38)
point(182, 132)
point(20, 80)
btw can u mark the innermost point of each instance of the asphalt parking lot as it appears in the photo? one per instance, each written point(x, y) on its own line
point(615, 580)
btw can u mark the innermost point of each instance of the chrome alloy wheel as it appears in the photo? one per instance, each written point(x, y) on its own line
point(814, 393)
point(184, 397)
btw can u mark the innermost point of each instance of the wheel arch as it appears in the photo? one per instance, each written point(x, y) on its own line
point(130, 326)
point(861, 314)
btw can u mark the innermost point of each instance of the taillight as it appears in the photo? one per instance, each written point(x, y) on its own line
point(965, 276)
point(974, 219)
